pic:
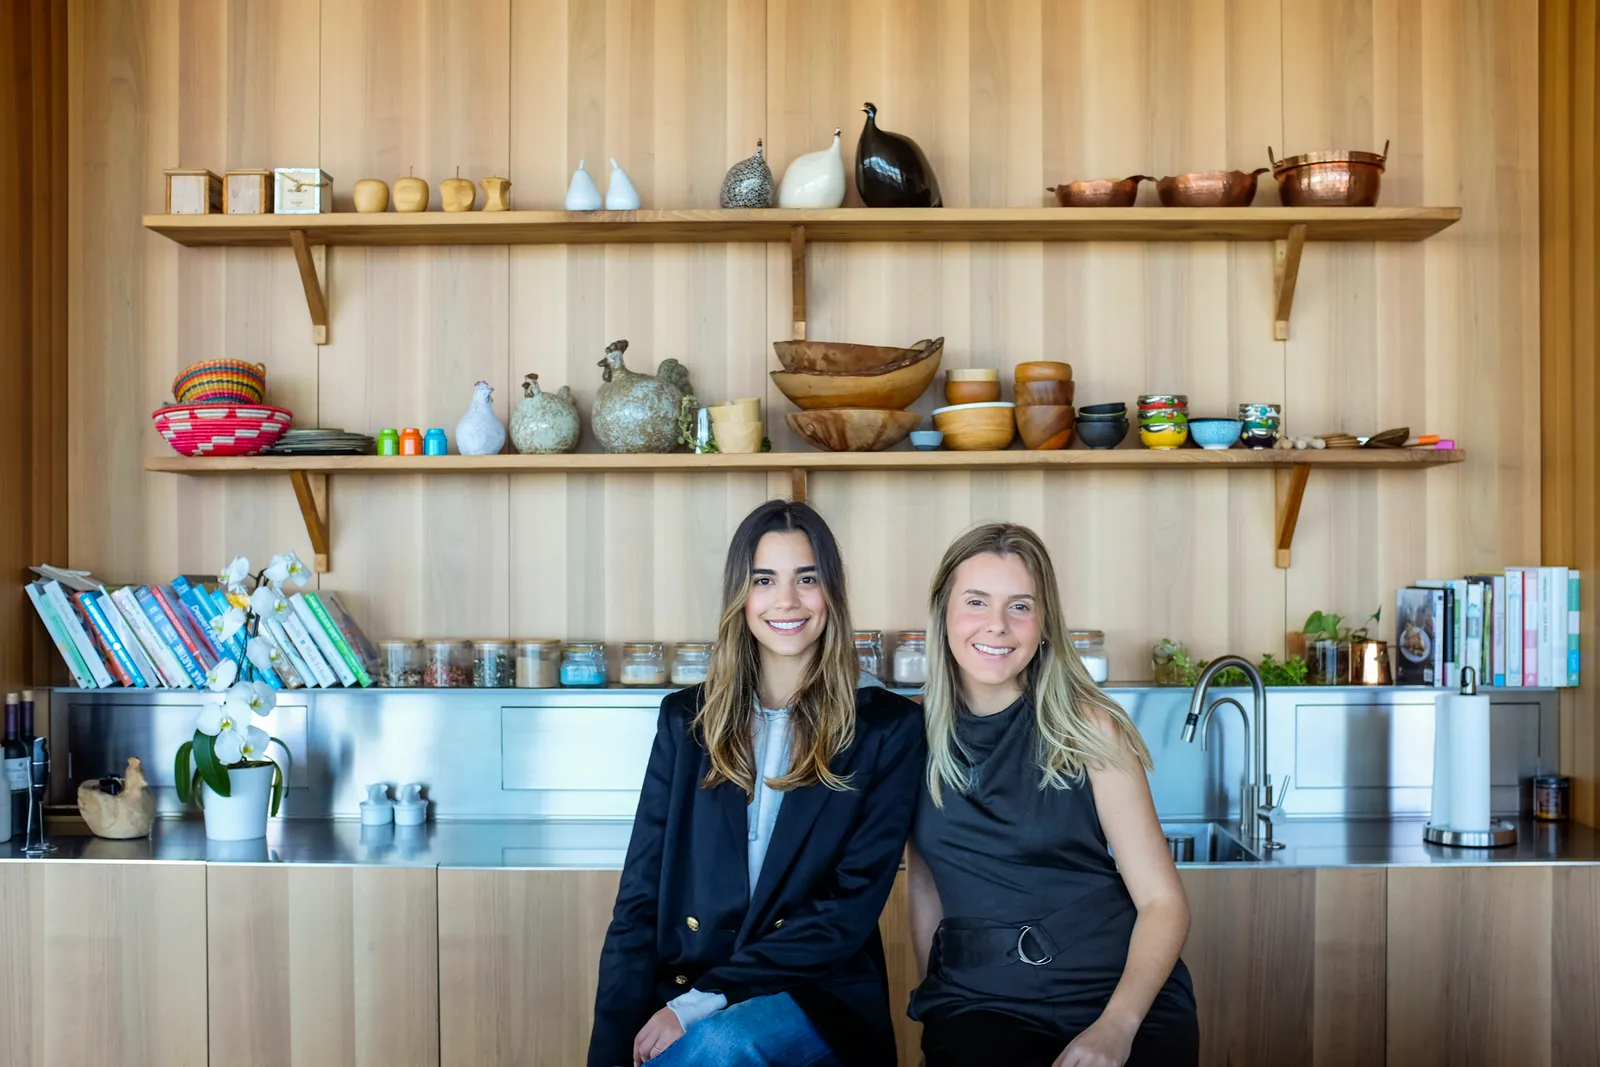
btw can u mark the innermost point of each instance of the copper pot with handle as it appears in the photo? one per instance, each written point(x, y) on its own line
point(1210, 188)
point(1329, 179)
point(1102, 192)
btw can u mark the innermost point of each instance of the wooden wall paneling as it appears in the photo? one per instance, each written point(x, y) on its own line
point(1575, 964)
point(901, 957)
point(317, 964)
point(124, 938)
point(1470, 965)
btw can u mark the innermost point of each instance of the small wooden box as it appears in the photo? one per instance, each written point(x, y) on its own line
point(247, 192)
point(193, 192)
point(302, 191)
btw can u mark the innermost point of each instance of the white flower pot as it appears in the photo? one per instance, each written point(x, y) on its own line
point(243, 815)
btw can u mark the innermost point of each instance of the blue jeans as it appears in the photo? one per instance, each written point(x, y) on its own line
point(760, 1032)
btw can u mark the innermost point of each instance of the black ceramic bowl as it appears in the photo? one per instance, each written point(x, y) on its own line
point(1102, 433)
point(1116, 410)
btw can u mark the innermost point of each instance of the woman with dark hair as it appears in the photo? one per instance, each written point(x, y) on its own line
point(770, 826)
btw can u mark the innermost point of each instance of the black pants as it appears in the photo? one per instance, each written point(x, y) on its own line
point(990, 1039)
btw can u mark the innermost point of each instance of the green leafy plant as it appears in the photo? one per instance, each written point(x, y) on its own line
point(1179, 670)
point(1291, 671)
point(1325, 626)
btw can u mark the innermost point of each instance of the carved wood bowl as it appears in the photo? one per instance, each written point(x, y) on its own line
point(1046, 426)
point(977, 427)
point(1044, 393)
point(1043, 370)
point(854, 429)
point(895, 390)
point(827, 357)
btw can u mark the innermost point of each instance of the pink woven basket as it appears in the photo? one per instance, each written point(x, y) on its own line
point(220, 429)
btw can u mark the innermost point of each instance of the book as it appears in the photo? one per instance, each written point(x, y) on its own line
point(1513, 626)
point(169, 636)
point(188, 630)
point(1452, 631)
point(73, 627)
point(1558, 626)
point(102, 651)
point(324, 640)
point(307, 647)
point(199, 604)
point(1574, 609)
point(141, 659)
point(1417, 635)
point(1497, 626)
point(286, 645)
point(1472, 646)
point(1530, 626)
point(283, 665)
point(120, 663)
point(343, 629)
point(58, 635)
point(126, 599)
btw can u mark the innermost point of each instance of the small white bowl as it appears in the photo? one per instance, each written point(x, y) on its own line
point(969, 407)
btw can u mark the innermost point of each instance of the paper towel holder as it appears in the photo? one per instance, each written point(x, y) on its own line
point(1500, 832)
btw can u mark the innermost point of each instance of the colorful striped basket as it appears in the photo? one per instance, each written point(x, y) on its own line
point(221, 381)
point(220, 429)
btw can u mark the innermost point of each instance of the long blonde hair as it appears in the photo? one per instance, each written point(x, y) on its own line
point(1067, 740)
point(823, 713)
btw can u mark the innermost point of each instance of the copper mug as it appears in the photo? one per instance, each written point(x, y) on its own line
point(1369, 663)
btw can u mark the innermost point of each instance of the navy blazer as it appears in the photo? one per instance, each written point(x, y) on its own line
point(686, 915)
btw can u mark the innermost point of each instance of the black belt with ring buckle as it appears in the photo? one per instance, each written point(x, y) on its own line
point(965, 943)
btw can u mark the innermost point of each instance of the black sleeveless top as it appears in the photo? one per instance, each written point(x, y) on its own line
point(1009, 853)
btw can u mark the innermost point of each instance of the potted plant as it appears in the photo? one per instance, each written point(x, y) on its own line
point(225, 766)
point(1328, 646)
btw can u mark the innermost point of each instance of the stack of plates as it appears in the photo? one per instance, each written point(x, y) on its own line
point(322, 442)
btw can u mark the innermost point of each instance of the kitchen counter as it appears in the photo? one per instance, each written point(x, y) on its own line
point(552, 844)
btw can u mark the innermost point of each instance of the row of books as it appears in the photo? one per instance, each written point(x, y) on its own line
point(1515, 628)
point(160, 636)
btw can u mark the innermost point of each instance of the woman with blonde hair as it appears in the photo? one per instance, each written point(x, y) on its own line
point(1037, 949)
point(770, 826)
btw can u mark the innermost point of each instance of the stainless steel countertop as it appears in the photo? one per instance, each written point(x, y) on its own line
point(601, 845)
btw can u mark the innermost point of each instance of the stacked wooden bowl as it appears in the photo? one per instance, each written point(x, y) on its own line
point(1045, 415)
point(854, 397)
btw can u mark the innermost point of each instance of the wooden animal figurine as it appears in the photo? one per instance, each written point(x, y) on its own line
point(118, 808)
point(544, 423)
point(496, 194)
point(372, 196)
point(620, 193)
point(582, 194)
point(815, 179)
point(410, 193)
point(891, 170)
point(638, 412)
point(458, 193)
point(480, 432)
point(748, 182)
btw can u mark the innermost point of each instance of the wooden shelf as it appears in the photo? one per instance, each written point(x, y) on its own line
point(309, 474)
point(1287, 228)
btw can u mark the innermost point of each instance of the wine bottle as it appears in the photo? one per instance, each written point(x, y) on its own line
point(16, 764)
point(26, 719)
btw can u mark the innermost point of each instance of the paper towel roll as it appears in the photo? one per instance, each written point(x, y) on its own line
point(1441, 765)
point(1466, 725)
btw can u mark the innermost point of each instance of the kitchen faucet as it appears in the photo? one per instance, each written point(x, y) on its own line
point(1256, 825)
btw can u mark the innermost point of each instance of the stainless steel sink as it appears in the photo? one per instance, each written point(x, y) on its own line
point(1212, 843)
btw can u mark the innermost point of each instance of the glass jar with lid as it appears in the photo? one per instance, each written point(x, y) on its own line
point(869, 652)
point(447, 664)
point(911, 658)
point(538, 663)
point(1090, 645)
point(644, 663)
point(492, 667)
point(402, 661)
point(690, 662)
point(583, 663)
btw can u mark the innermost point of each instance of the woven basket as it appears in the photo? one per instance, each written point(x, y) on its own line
point(221, 381)
point(220, 429)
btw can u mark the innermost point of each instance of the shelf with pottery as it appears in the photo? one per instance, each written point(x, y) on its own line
point(309, 474)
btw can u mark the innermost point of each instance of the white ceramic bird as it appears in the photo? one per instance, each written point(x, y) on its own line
point(815, 179)
point(582, 194)
point(480, 431)
point(620, 193)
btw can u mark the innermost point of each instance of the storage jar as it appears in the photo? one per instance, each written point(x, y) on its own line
point(538, 663)
point(690, 661)
point(402, 662)
point(869, 652)
point(1090, 645)
point(644, 663)
point(583, 663)
point(1552, 798)
point(911, 658)
point(447, 664)
point(492, 667)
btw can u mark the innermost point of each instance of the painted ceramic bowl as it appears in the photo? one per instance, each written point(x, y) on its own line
point(1164, 437)
point(1261, 424)
point(1163, 400)
point(1215, 434)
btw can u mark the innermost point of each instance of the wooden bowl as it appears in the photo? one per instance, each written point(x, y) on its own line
point(972, 374)
point(732, 437)
point(1046, 426)
point(854, 429)
point(1046, 393)
point(969, 392)
point(1043, 371)
point(977, 427)
point(895, 390)
point(826, 357)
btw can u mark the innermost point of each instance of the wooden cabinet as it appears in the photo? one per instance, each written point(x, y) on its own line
point(311, 965)
point(103, 963)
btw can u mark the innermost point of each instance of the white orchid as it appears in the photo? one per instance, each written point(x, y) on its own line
point(225, 625)
point(254, 743)
point(286, 568)
point(218, 717)
point(229, 744)
point(268, 603)
point(256, 698)
point(263, 654)
point(233, 575)
point(220, 677)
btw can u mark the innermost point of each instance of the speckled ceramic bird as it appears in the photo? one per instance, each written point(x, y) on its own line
point(480, 431)
point(638, 412)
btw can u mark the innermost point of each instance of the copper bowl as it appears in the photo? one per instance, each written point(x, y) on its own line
point(1103, 192)
point(1329, 179)
point(1210, 188)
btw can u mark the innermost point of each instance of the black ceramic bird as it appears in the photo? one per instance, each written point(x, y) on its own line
point(891, 170)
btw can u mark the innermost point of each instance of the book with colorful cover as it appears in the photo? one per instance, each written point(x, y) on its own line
point(309, 650)
point(78, 635)
point(1530, 627)
point(188, 630)
point(1574, 609)
point(120, 663)
point(286, 645)
point(102, 651)
point(130, 643)
point(162, 624)
point(201, 609)
point(324, 640)
point(1417, 636)
point(58, 635)
point(353, 644)
point(1513, 627)
point(126, 599)
point(283, 667)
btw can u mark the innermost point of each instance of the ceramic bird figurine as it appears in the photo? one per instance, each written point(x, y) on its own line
point(638, 412)
point(815, 179)
point(582, 194)
point(118, 808)
point(891, 170)
point(480, 432)
point(620, 193)
point(748, 182)
point(544, 423)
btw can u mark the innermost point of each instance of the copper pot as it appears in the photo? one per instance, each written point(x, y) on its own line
point(1369, 663)
point(1210, 188)
point(1103, 192)
point(1329, 179)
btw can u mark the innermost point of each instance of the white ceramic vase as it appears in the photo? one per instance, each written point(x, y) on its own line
point(620, 193)
point(814, 180)
point(241, 816)
point(582, 195)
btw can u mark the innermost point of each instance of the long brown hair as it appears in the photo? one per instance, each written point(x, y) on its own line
point(1068, 741)
point(822, 715)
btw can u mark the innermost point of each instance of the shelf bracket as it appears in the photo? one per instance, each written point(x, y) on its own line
point(797, 485)
point(313, 264)
point(1290, 491)
point(311, 490)
point(797, 255)
point(1286, 272)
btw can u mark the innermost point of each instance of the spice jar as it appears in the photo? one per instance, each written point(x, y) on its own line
point(402, 663)
point(690, 661)
point(388, 441)
point(538, 663)
point(491, 665)
point(1090, 645)
point(447, 664)
point(411, 441)
point(583, 663)
point(1552, 797)
point(869, 651)
point(643, 663)
point(911, 658)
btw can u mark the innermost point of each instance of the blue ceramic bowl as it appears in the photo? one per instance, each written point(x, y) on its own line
point(1102, 433)
point(1215, 434)
point(927, 440)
